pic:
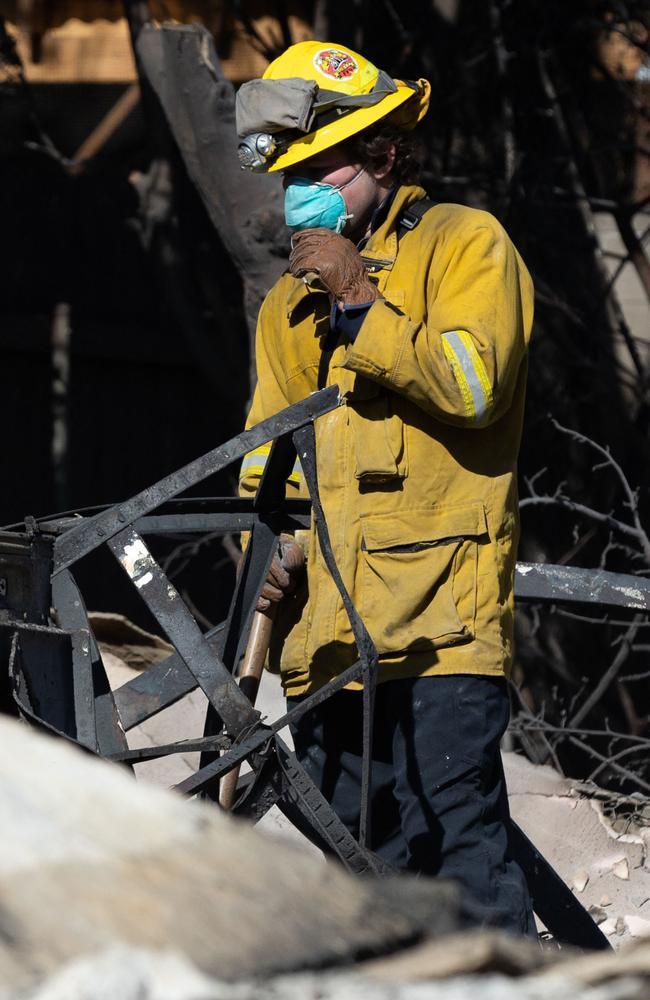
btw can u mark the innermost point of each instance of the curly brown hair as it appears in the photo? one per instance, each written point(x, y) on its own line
point(371, 147)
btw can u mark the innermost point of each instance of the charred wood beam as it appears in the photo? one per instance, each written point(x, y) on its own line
point(161, 230)
point(613, 311)
point(137, 14)
point(105, 129)
point(182, 66)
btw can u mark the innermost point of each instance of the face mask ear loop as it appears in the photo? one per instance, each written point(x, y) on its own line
point(345, 218)
point(340, 187)
point(335, 187)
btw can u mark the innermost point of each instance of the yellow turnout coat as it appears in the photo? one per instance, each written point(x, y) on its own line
point(417, 468)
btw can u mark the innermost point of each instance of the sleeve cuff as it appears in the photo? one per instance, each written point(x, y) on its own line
point(348, 320)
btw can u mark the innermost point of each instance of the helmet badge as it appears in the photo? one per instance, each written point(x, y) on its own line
point(335, 64)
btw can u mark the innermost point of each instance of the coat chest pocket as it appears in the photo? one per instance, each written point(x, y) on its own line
point(418, 576)
point(378, 438)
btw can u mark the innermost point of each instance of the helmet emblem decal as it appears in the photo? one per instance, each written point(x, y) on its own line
point(335, 63)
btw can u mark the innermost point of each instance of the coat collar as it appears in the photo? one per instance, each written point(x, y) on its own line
point(383, 242)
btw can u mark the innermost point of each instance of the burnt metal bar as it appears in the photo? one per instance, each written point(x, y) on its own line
point(110, 734)
point(152, 690)
point(261, 548)
point(259, 554)
point(318, 813)
point(305, 439)
point(78, 542)
point(553, 902)
point(196, 782)
point(84, 696)
point(238, 753)
point(162, 685)
point(25, 567)
point(224, 514)
point(139, 754)
point(299, 789)
point(260, 551)
point(71, 615)
point(173, 616)
point(101, 722)
point(258, 791)
point(295, 516)
point(217, 523)
point(572, 584)
point(20, 691)
point(40, 672)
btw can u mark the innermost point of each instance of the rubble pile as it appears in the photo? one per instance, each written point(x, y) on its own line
point(91, 859)
point(592, 843)
point(110, 888)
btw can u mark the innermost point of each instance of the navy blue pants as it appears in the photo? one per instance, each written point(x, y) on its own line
point(439, 800)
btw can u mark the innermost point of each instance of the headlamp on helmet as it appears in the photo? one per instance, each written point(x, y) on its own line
point(255, 151)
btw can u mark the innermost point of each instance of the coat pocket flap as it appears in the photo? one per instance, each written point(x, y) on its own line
point(423, 525)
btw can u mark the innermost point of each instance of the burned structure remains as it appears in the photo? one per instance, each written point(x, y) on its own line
point(55, 679)
point(51, 668)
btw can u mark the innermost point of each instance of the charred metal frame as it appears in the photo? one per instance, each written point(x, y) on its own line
point(36, 571)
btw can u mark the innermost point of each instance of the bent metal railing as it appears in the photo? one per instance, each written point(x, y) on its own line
point(58, 682)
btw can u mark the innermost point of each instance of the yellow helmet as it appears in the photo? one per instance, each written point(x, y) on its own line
point(324, 94)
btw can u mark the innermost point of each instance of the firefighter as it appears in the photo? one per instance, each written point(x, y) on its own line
point(421, 314)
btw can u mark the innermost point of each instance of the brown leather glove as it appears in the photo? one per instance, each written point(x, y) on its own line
point(285, 571)
point(336, 261)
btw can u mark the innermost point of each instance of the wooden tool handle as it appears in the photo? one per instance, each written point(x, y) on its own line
point(250, 676)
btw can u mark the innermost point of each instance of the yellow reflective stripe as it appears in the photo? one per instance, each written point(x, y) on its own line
point(469, 371)
point(255, 461)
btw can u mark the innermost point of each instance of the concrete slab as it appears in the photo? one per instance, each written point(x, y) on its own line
point(605, 867)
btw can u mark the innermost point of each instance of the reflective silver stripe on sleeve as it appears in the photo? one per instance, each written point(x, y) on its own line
point(481, 401)
point(253, 462)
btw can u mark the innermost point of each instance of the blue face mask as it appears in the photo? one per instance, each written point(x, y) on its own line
point(311, 204)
